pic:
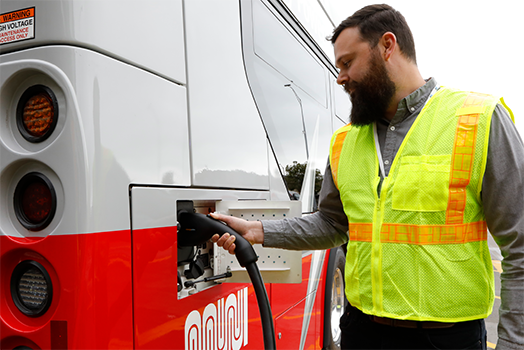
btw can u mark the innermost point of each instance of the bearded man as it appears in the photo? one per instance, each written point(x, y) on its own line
point(412, 185)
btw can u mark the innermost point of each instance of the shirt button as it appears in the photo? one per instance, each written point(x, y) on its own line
point(386, 162)
point(392, 128)
point(412, 109)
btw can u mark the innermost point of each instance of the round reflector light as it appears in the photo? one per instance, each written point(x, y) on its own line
point(31, 288)
point(35, 201)
point(37, 113)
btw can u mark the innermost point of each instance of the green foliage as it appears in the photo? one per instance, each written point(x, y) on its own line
point(294, 177)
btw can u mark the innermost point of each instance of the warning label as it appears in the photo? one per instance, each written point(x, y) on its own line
point(17, 26)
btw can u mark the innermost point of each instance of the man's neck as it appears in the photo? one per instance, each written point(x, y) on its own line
point(407, 81)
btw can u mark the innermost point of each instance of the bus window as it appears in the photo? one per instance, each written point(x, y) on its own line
point(289, 87)
point(275, 45)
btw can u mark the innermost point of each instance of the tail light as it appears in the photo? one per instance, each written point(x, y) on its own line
point(31, 288)
point(35, 201)
point(37, 113)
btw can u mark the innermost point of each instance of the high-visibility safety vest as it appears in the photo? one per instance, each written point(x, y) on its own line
point(418, 250)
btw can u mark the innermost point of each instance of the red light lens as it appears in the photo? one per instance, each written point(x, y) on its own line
point(37, 202)
point(38, 114)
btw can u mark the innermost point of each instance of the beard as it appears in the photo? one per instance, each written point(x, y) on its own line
point(372, 95)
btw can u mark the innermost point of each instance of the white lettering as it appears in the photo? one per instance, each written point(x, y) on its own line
point(192, 331)
point(220, 327)
point(209, 327)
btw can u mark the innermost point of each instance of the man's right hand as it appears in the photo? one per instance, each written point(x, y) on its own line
point(250, 230)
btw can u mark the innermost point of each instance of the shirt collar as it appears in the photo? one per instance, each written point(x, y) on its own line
point(414, 101)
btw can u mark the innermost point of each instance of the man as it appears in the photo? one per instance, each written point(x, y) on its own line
point(415, 181)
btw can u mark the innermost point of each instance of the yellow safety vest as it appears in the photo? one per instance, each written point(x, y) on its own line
point(419, 250)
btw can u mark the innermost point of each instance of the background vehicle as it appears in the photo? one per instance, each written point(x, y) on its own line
point(115, 115)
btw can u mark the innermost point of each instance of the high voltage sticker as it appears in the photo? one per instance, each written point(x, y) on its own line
point(17, 26)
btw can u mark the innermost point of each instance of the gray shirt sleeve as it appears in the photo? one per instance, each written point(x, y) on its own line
point(327, 228)
point(503, 199)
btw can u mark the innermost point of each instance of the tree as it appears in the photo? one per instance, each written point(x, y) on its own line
point(294, 177)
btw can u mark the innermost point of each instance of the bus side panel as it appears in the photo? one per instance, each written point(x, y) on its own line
point(288, 328)
point(290, 294)
point(221, 314)
point(113, 129)
point(145, 34)
point(321, 298)
point(158, 320)
point(91, 291)
point(292, 319)
point(228, 140)
point(317, 316)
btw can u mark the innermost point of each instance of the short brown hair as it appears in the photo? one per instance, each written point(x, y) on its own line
point(375, 20)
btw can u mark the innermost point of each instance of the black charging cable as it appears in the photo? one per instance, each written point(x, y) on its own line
point(196, 229)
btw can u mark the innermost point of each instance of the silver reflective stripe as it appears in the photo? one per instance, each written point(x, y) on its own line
point(379, 152)
point(315, 270)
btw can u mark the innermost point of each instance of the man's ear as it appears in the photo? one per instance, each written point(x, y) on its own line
point(388, 43)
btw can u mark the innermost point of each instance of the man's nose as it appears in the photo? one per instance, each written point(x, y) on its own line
point(342, 78)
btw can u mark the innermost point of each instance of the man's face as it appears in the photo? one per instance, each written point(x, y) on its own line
point(364, 76)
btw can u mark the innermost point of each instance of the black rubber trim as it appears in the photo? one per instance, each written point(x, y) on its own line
point(18, 272)
point(333, 252)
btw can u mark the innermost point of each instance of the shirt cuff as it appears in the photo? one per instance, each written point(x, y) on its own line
point(273, 237)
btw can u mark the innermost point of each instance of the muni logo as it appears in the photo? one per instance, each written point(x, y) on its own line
point(222, 325)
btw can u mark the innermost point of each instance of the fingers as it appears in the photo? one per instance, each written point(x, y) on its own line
point(231, 221)
point(220, 217)
point(225, 241)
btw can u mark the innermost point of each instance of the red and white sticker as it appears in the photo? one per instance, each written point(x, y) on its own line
point(17, 26)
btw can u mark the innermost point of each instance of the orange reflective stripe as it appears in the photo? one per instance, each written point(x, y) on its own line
point(335, 154)
point(434, 234)
point(421, 234)
point(360, 232)
point(462, 157)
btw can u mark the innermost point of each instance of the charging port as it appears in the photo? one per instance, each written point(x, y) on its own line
point(195, 262)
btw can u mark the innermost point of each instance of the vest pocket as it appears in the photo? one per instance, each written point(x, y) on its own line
point(422, 183)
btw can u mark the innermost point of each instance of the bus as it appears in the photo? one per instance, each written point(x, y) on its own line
point(115, 116)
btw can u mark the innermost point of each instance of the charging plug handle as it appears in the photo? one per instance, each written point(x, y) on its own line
point(195, 229)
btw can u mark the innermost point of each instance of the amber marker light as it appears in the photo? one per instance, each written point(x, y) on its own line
point(35, 201)
point(37, 113)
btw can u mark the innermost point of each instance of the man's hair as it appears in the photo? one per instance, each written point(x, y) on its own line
point(375, 20)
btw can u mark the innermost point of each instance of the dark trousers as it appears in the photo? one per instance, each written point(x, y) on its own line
point(359, 332)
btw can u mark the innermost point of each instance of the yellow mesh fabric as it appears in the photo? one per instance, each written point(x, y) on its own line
point(436, 282)
point(358, 143)
point(361, 180)
point(422, 183)
point(419, 251)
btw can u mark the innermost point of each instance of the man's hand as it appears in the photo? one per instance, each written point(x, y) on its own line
point(250, 230)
